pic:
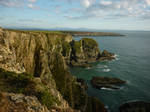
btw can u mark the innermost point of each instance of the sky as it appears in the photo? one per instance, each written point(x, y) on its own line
point(90, 14)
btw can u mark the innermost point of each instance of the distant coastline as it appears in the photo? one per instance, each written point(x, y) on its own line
point(84, 33)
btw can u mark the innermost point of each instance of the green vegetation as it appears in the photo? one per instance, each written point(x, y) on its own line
point(88, 42)
point(76, 47)
point(23, 83)
point(42, 31)
point(36, 31)
point(17, 83)
point(47, 99)
point(66, 48)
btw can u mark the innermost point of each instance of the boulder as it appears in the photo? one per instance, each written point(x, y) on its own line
point(107, 82)
point(137, 106)
point(105, 55)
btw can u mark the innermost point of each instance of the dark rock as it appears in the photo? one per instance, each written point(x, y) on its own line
point(105, 55)
point(83, 83)
point(138, 106)
point(107, 82)
point(84, 51)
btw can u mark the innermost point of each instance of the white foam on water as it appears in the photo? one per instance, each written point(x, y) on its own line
point(88, 68)
point(102, 66)
point(106, 70)
point(107, 89)
point(116, 57)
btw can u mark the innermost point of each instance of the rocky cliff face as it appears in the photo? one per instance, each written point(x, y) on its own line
point(45, 56)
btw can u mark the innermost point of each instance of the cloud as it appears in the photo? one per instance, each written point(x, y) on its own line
point(113, 9)
point(33, 1)
point(148, 2)
point(11, 3)
point(105, 2)
point(30, 6)
point(34, 20)
point(87, 3)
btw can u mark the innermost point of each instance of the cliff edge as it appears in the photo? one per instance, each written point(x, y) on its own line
point(34, 65)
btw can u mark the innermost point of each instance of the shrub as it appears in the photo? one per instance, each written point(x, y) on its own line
point(47, 99)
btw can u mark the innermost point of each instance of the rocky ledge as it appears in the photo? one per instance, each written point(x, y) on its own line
point(138, 106)
point(106, 82)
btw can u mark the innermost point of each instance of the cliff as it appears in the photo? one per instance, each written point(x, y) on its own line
point(34, 65)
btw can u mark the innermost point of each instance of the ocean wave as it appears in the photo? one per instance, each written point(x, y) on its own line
point(116, 57)
point(106, 70)
point(107, 89)
point(102, 66)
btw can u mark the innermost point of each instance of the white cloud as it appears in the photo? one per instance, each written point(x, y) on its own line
point(30, 6)
point(105, 2)
point(11, 3)
point(32, 1)
point(148, 2)
point(87, 3)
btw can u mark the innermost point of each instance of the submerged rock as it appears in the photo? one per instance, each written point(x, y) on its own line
point(107, 82)
point(138, 106)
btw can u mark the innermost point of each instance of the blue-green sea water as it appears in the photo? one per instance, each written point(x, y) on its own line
point(132, 65)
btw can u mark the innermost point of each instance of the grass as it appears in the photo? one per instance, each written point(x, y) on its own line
point(36, 31)
point(87, 42)
point(17, 83)
point(66, 48)
point(47, 99)
point(76, 47)
point(23, 83)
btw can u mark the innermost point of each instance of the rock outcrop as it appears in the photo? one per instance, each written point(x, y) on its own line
point(137, 106)
point(107, 82)
point(45, 56)
point(11, 102)
point(84, 51)
point(105, 55)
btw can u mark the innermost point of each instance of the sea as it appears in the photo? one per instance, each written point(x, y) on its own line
point(132, 64)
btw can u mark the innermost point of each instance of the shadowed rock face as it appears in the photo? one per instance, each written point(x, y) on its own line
point(139, 106)
point(84, 51)
point(45, 56)
point(107, 82)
